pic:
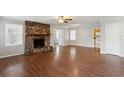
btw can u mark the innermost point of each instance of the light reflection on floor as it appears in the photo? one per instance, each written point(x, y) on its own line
point(73, 53)
point(57, 52)
point(75, 71)
point(16, 69)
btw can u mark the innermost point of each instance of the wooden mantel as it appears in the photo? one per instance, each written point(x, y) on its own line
point(38, 34)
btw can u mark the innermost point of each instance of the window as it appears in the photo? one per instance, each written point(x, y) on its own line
point(57, 35)
point(73, 35)
point(13, 34)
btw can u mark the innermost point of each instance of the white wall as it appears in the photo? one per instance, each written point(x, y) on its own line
point(112, 37)
point(84, 36)
point(8, 51)
point(102, 48)
point(63, 35)
point(122, 39)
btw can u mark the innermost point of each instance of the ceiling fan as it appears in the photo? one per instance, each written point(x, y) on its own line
point(63, 19)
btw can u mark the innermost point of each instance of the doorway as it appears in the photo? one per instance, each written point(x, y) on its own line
point(97, 37)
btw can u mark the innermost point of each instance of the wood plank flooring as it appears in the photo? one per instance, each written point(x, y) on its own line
point(67, 61)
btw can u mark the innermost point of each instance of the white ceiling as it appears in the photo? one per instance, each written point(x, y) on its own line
point(52, 19)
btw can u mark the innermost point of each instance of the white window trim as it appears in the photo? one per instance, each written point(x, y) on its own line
point(6, 36)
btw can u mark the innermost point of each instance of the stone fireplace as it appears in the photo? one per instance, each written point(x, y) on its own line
point(37, 38)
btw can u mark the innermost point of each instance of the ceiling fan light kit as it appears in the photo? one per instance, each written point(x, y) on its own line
point(63, 19)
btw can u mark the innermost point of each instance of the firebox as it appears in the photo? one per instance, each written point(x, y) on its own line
point(39, 43)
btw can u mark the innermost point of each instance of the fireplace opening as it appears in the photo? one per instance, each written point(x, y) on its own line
point(39, 43)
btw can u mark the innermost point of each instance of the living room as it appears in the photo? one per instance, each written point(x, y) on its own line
point(61, 46)
point(62, 43)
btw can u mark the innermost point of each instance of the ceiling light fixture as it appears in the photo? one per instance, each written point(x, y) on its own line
point(63, 19)
point(60, 19)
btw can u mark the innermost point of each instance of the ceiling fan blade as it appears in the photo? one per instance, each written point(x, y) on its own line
point(65, 21)
point(69, 19)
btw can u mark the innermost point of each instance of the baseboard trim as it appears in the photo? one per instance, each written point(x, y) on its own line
point(101, 52)
point(11, 55)
point(82, 45)
point(112, 54)
point(77, 45)
point(121, 55)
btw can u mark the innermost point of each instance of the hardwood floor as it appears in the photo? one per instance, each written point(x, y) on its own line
point(63, 61)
